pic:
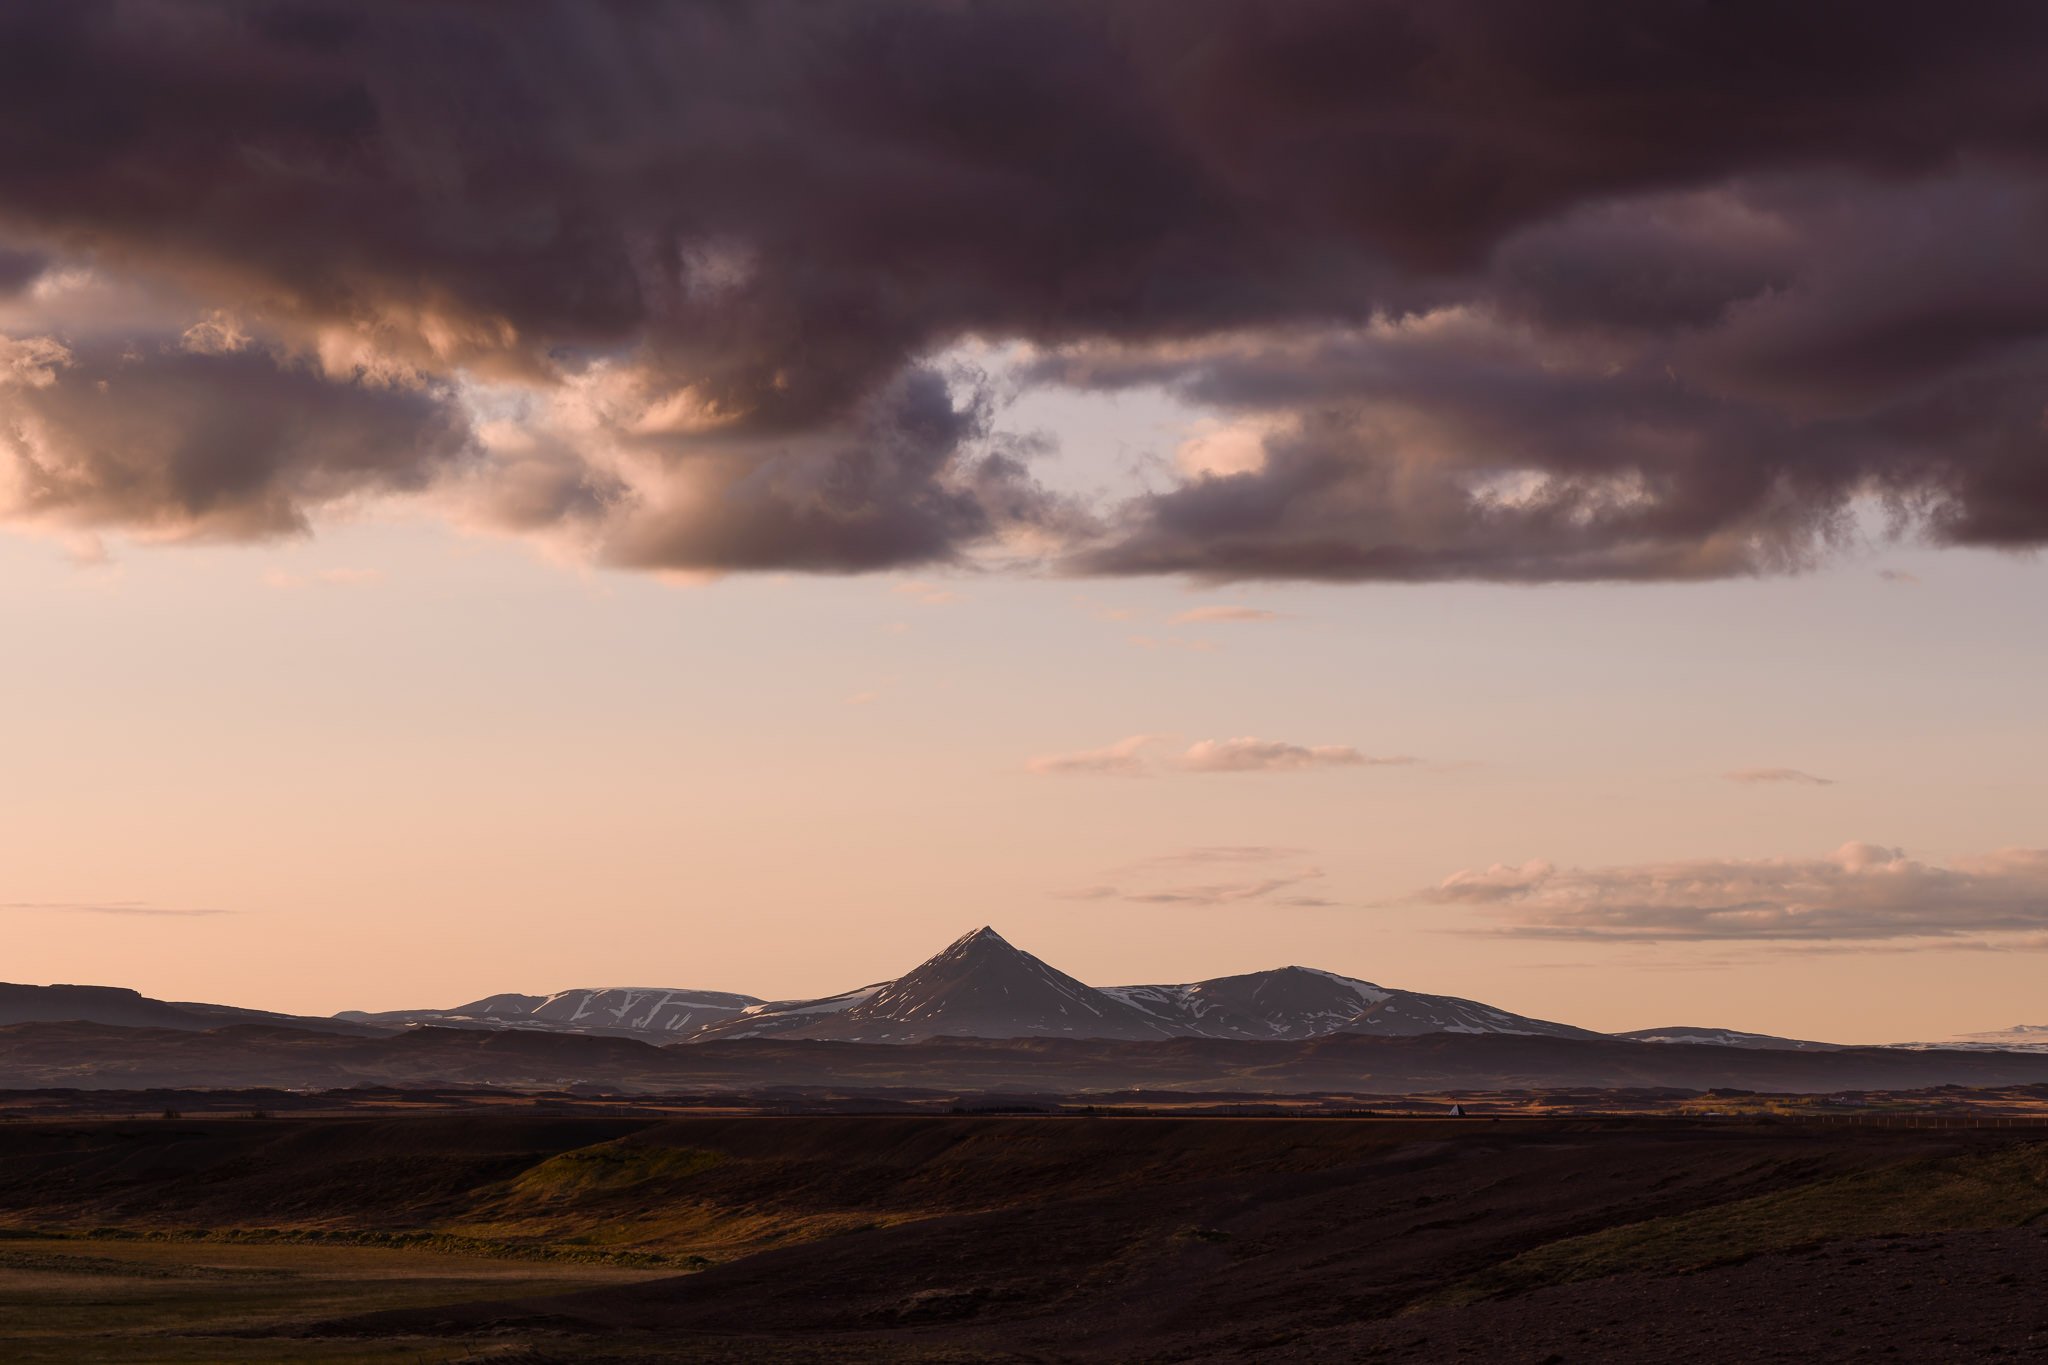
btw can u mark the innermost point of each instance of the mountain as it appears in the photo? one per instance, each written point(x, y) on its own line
point(1293, 1003)
point(977, 987)
point(80, 1056)
point(124, 1008)
point(1725, 1037)
point(610, 1012)
point(981, 986)
point(2018, 1038)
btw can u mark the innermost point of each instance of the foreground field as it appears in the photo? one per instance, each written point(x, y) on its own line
point(111, 1299)
point(520, 1238)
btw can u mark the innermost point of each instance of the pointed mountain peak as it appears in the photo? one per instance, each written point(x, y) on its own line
point(984, 937)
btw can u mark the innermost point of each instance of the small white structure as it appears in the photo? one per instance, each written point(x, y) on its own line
point(1457, 1111)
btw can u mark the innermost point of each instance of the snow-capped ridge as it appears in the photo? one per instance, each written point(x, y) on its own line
point(665, 1013)
point(983, 986)
point(1683, 1034)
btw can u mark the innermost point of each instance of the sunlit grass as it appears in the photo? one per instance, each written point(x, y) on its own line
point(176, 1300)
point(2001, 1189)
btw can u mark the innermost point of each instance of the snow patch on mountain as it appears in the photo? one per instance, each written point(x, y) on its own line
point(1724, 1037)
point(612, 1011)
point(2018, 1038)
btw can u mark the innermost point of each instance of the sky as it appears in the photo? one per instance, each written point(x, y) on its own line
point(1539, 507)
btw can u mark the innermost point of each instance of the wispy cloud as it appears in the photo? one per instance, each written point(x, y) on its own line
point(1264, 889)
point(1248, 755)
point(1226, 853)
point(861, 698)
point(931, 594)
point(1760, 776)
point(1225, 613)
point(1153, 881)
point(1900, 577)
point(1229, 893)
point(1245, 754)
point(1124, 758)
point(113, 908)
point(1156, 643)
point(1858, 892)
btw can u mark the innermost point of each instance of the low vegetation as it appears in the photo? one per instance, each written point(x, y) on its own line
point(1999, 1189)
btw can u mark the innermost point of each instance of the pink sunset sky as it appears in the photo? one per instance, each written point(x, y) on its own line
point(685, 498)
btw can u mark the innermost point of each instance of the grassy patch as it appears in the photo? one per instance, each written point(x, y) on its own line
point(2007, 1188)
point(568, 1250)
point(186, 1300)
point(610, 1168)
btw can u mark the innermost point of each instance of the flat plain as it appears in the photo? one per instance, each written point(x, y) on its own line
point(512, 1235)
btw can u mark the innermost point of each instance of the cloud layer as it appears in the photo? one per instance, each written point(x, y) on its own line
point(1131, 757)
point(136, 908)
point(1466, 290)
point(1248, 755)
point(1157, 879)
point(1759, 776)
point(1859, 892)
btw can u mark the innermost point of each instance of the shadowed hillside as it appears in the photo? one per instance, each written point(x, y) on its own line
point(34, 1056)
point(1017, 1239)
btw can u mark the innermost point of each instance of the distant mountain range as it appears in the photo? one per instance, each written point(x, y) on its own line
point(124, 1008)
point(1725, 1037)
point(979, 986)
point(614, 1012)
point(78, 1056)
point(2018, 1038)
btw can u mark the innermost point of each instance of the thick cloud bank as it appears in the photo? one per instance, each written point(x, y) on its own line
point(1589, 289)
point(1858, 892)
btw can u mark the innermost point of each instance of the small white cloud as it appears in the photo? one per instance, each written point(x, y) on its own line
point(1218, 449)
point(218, 333)
point(1125, 758)
point(1248, 755)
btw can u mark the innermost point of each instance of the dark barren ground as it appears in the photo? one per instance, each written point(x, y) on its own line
point(100, 1056)
point(518, 1237)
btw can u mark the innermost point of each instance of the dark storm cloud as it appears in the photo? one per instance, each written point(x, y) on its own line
point(19, 269)
point(1717, 270)
point(236, 444)
point(889, 485)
